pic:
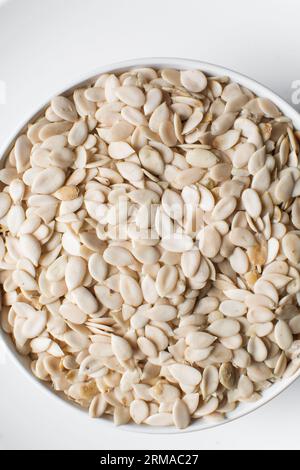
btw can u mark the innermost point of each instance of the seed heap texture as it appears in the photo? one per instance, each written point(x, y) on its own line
point(150, 246)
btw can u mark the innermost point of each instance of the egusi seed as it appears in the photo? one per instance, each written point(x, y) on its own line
point(150, 246)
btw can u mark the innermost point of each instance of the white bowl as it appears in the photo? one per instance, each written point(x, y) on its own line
point(210, 69)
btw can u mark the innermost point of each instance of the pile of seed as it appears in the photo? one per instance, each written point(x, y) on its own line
point(150, 246)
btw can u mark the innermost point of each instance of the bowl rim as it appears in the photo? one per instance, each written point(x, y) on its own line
point(118, 67)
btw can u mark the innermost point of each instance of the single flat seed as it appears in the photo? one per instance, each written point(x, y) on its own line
point(233, 342)
point(139, 411)
point(257, 349)
point(242, 237)
point(34, 325)
point(245, 387)
point(261, 180)
point(226, 141)
point(258, 300)
point(228, 376)
point(64, 108)
point(67, 193)
point(31, 248)
point(48, 181)
point(98, 268)
point(22, 151)
point(260, 315)
point(177, 244)
point(185, 374)
point(210, 381)
point(85, 300)
point(224, 208)
point(291, 247)
point(201, 158)
point(195, 355)
point(5, 203)
point(75, 272)
point(131, 96)
point(167, 133)
point(24, 280)
point(166, 280)
point(146, 346)
point(130, 171)
point(121, 348)
point(257, 161)
point(224, 328)
point(72, 313)
point(209, 241)
point(98, 406)
point(232, 308)
point(206, 408)
point(267, 289)
point(262, 329)
point(149, 290)
point(222, 123)
point(160, 419)
point(200, 340)
point(284, 188)
point(130, 291)
point(187, 177)
point(193, 80)
point(239, 261)
point(283, 335)
point(78, 134)
point(151, 160)
point(134, 116)
point(95, 94)
point(190, 262)
point(118, 256)
point(153, 100)
point(295, 213)
point(268, 108)
point(121, 415)
point(120, 150)
point(206, 305)
point(243, 154)
point(181, 415)
point(259, 372)
point(157, 336)
point(162, 313)
point(159, 115)
point(294, 325)
point(108, 299)
point(193, 121)
point(252, 203)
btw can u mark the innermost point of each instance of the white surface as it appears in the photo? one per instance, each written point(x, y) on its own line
point(44, 44)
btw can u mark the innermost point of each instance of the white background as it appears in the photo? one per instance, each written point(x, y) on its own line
point(47, 43)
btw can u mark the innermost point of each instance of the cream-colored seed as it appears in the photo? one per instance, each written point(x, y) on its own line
point(283, 335)
point(201, 158)
point(209, 242)
point(121, 348)
point(224, 208)
point(181, 414)
point(185, 374)
point(139, 411)
point(64, 108)
point(252, 203)
point(193, 80)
